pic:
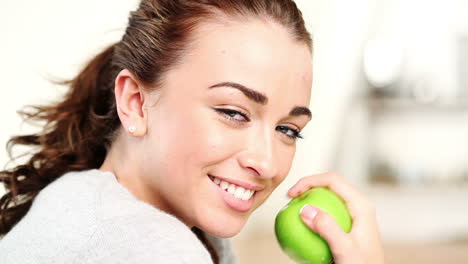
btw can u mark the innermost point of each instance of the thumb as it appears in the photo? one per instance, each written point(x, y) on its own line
point(340, 243)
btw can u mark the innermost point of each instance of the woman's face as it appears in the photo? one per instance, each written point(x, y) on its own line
point(221, 136)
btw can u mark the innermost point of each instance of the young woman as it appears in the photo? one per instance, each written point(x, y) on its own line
point(169, 139)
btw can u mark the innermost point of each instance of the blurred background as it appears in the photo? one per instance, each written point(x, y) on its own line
point(389, 100)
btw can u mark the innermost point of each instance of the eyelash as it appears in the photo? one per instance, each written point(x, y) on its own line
point(227, 113)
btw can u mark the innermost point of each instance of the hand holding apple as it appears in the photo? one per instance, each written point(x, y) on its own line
point(361, 245)
point(297, 240)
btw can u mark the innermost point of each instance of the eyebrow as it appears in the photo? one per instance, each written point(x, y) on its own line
point(261, 98)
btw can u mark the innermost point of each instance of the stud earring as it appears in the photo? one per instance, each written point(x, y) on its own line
point(131, 129)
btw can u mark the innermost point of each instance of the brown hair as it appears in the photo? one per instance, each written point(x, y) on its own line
point(79, 130)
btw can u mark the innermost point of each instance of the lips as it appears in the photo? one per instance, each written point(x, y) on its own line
point(245, 185)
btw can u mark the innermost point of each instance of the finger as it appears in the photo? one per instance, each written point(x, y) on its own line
point(305, 183)
point(340, 243)
point(328, 179)
point(356, 202)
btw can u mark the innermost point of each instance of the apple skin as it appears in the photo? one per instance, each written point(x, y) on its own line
point(296, 239)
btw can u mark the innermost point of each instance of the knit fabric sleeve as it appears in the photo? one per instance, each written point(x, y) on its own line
point(131, 231)
point(88, 217)
point(143, 240)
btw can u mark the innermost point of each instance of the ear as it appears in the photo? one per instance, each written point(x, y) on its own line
point(130, 102)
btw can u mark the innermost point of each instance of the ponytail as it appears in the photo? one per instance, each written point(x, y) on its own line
point(76, 136)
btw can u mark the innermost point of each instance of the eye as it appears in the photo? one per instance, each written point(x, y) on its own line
point(233, 115)
point(241, 118)
point(289, 132)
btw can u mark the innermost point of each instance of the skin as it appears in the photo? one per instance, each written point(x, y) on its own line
point(182, 136)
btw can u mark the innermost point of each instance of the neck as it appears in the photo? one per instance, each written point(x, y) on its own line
point(124, 164)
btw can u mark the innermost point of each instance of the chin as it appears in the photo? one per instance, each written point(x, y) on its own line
point(223, 228)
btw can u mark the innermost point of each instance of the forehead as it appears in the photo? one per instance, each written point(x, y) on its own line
point(259, 54)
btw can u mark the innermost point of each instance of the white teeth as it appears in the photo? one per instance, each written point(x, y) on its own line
point(224, 185)
point(247, 195)
point(231, 189)
point(237, 191)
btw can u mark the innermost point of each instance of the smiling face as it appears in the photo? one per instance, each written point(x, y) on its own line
point(221, 136)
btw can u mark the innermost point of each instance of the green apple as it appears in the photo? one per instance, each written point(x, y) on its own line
point(296, 239)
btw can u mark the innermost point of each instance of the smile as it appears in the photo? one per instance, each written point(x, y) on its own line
point(238, 192)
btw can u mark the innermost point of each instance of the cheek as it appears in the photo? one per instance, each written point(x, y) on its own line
point(285, 163)
point(197, 138)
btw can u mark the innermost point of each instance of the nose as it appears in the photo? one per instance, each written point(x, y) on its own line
point(259, 157)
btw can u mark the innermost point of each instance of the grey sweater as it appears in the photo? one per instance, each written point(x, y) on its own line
point(89, 217)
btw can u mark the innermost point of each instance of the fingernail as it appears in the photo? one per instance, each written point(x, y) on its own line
point(308, 212)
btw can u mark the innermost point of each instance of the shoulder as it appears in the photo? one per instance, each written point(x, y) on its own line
point(129, 230)
point(71, 184)
point(91, 218)
point(144, 237)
